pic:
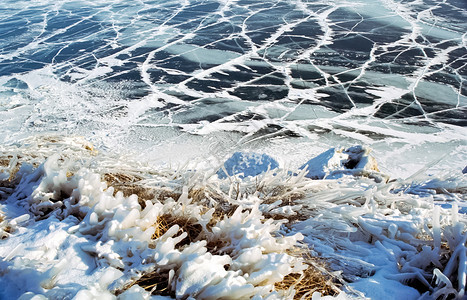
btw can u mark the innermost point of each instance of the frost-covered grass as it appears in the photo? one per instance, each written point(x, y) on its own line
point(76, 223)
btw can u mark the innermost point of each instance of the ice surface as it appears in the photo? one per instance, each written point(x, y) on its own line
point(111, 73)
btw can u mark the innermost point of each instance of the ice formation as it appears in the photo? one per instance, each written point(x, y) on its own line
point(247, 164)
point(234, 256)
point(336, 162)
point(70, 234)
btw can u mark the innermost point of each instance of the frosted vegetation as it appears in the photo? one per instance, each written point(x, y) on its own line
point(82, 224)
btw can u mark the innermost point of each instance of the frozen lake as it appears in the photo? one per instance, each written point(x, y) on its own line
point(240, 74)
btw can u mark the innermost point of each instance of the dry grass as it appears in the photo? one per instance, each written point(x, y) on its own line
point(121, 182)
point(2, 216)
point(13, 172)
point(7, 186)
point(315, 278)
point(190, 226)
point(162, 194)
point(120, 178)
point(8, 229)
point(4, 162)
point(128, 185)
point(197, 194)
point(157, 283)
point(143, 193)
point(161, 227)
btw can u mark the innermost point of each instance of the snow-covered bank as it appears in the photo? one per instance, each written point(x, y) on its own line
point(67, 232)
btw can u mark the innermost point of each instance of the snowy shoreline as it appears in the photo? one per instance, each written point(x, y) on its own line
point(68, 233)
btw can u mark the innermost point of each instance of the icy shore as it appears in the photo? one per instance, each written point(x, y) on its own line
point(83, 225)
